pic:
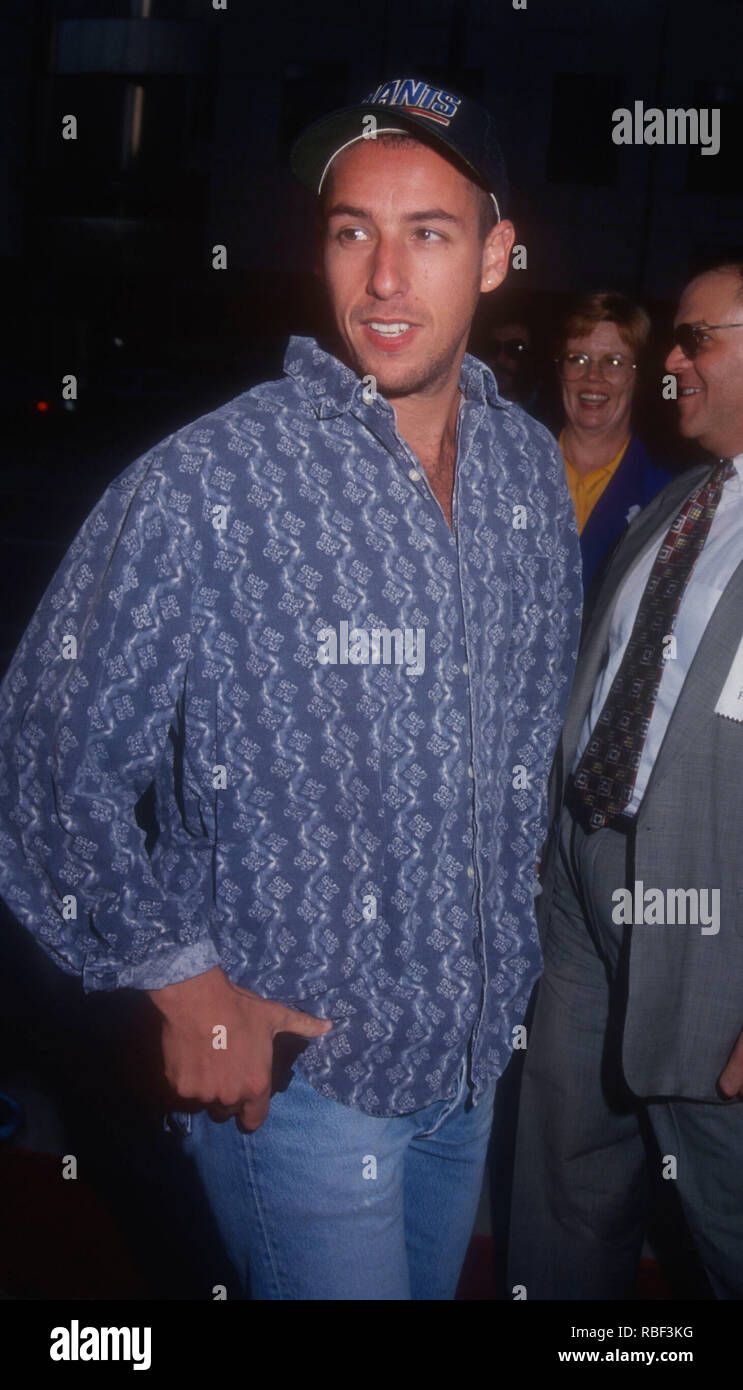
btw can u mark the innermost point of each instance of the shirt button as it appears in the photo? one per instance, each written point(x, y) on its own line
point(470, 871)
point(413, 475)
point(470, 771)
point(466, 668)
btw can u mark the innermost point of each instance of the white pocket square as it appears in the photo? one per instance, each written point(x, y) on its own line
point(730, 703)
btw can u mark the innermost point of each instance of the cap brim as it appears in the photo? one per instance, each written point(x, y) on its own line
point(317, 145)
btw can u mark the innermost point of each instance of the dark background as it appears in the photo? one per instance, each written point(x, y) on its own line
point(185, 117)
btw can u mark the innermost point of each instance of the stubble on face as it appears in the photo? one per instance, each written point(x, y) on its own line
point(383, 263)
point(428, 378)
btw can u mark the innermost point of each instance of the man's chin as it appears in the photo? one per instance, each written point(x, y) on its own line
point(394, 376)
point(688, 429)
point(691, 418)
point(393, 379)
point(393, 388)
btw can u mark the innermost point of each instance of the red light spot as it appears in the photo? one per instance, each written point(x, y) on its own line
point(42, 406)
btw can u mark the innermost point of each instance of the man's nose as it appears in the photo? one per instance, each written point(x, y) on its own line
point(387, 274)
point(677, 361)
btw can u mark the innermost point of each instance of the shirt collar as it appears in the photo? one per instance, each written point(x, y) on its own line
point(333, 388)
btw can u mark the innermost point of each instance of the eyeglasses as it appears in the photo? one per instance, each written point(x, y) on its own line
point(510, 347)
point(692, 337)
point(612, 367)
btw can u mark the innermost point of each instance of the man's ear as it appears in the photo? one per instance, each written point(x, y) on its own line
point(496, 255)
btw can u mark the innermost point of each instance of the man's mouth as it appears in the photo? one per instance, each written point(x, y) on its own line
point(389, 335)
point(390, 330)
point(689, 391)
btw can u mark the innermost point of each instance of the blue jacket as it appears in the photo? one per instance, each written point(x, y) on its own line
point(636, 481)
point(348, 820)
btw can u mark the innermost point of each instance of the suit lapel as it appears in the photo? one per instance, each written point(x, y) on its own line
point(704, 679)
point(657, 516)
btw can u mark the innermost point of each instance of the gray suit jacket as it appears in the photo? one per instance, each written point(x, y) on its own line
point(685, 989)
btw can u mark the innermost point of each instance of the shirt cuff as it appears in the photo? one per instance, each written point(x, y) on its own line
point(168, 967)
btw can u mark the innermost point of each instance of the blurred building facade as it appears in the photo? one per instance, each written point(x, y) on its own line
point(186, 109)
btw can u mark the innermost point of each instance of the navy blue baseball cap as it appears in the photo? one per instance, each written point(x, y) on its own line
point(459, 129)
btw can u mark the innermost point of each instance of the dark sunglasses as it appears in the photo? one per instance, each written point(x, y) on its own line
point(691, 337)
point(510, 347)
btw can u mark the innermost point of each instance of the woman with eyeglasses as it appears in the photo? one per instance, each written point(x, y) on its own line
point(610, 472)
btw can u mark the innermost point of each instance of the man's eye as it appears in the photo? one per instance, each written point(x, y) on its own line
point(351, 234)
point(426, 233)
point(701, 336)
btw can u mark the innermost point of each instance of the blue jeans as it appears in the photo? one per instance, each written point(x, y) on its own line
point(326, 1202)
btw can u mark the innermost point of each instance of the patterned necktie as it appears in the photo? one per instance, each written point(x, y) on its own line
point(605, 776)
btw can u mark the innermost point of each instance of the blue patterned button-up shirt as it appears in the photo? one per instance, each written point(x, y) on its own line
point(347, 711)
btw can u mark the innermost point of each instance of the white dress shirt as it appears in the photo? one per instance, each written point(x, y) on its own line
point(721, 555)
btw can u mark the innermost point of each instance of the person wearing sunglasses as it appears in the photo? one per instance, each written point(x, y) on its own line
point(610, 473)
point(509, 354)
point(634, 1065)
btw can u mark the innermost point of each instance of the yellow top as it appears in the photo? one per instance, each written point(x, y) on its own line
point(586, 488)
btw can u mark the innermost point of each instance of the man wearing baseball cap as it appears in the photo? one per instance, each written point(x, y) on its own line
point(460, 130)
point(334, 623)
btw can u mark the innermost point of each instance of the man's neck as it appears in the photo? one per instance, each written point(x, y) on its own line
point(588, 450)
point(428, 424)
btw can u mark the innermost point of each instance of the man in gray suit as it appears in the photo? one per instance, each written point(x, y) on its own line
point(635, 1056)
